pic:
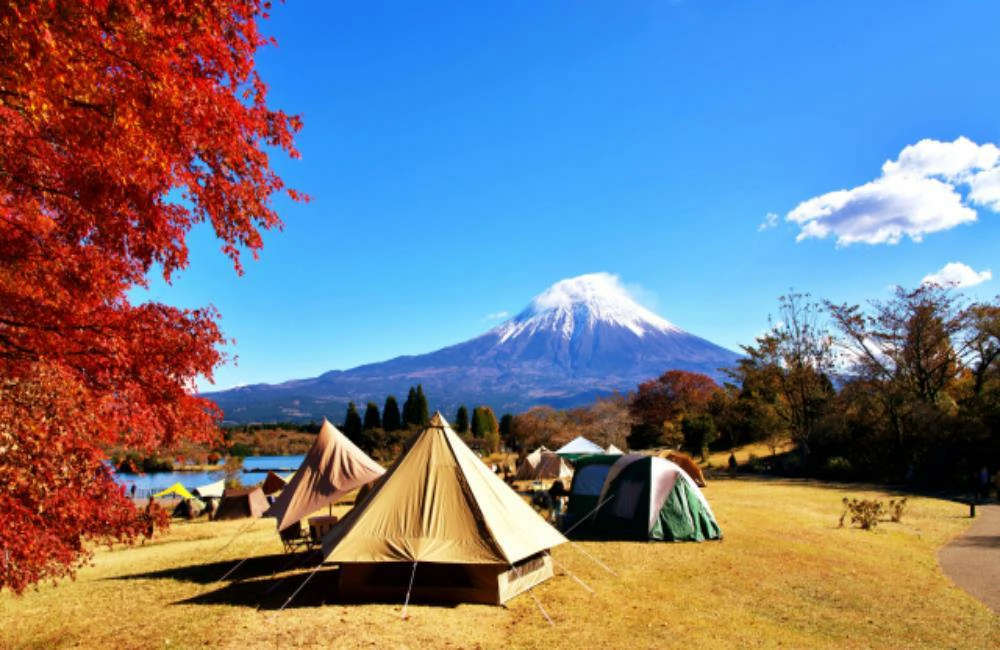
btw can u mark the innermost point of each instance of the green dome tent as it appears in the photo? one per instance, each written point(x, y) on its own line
point(639, 497)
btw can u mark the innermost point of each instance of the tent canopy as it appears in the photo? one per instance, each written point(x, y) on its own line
point(580, 445)
point(612, 449)
point(211, 490)
point(543, 464)
point(177, 489)
point(241, 503)
point(441, 506)
point(273, 483)
point(333, 467)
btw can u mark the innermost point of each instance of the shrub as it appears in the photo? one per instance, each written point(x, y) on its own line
point(864, 512)
point(838, 467)
point(896, 509)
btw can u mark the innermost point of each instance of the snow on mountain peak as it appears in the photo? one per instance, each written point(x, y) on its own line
point(584, 301)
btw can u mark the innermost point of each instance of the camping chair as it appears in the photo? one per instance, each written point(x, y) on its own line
point(292, 538)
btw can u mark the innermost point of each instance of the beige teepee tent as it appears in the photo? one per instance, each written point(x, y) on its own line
point(442, 522)
point(543, 464)
point(333, 467)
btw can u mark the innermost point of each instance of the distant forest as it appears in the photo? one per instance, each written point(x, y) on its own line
point(901, 390)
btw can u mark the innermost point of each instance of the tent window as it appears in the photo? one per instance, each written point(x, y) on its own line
point(590, 479)
point(626, 499)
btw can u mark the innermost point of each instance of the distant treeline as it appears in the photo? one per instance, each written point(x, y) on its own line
point(903, 390)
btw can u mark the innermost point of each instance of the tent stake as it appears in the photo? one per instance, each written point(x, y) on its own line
point(406, 604)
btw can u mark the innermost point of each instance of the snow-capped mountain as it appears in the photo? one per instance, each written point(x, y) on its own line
point(583, 337)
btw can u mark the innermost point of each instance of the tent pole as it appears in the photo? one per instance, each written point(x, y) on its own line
point(406, 604)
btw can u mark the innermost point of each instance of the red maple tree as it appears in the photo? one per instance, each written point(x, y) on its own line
point(123, 123)
point(670, 396)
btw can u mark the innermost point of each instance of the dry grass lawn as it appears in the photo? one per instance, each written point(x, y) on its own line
point(784, 575)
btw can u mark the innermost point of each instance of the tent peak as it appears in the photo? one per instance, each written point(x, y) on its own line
point(437, 420)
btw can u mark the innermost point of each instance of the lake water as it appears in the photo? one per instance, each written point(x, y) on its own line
point(255, 469)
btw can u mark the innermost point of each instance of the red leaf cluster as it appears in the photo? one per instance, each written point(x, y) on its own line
point(670, 396)
point(123, 123)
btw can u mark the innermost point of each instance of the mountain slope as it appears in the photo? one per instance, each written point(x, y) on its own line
point(583, 337)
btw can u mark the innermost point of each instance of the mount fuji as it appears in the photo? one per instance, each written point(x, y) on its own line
point(581, 338)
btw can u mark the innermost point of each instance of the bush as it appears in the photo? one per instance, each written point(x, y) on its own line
point(838, 467)
point(864, 512)
point(896, 509)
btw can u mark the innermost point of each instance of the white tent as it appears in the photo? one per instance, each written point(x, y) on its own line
point(211, 490)
point(614, 450)
point(580, 445)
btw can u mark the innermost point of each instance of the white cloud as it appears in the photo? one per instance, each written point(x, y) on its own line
point(986, 189)
point(497, 315)
point(917, 194)
point(954, 161)
point(770, 221)
point(956, 274)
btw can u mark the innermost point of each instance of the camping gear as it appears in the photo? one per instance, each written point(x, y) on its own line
point(237, 504)
point(272, 483)
point(177, 489)
point(638, 497)
point(441, 525)
point(333, 467)
point(543, 464)
point(579, 447)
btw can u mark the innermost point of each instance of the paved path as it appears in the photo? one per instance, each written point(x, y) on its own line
point(972, 561)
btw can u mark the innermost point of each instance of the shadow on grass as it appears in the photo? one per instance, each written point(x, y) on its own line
point(254, 567)
point(976, 541)
point(271, 594)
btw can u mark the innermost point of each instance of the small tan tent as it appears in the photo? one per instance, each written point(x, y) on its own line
point(237, 504)
point(441, 519)
point(333, 467)
point(543, 464)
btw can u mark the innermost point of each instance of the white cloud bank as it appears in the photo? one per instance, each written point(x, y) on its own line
point(497, 315)
point(917, 194)
point(956, 274)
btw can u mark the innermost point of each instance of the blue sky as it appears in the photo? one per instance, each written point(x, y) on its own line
point(462, 157)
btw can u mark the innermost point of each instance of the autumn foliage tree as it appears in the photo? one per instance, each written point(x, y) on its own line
point(123, 124)
point(660, 405)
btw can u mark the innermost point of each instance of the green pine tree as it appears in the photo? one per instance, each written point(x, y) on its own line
point(390, 415)
point(507, 429)
point(352, 424)
point(422, 414)
point(462, 420)
point(372, 418)
point(409, 406)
